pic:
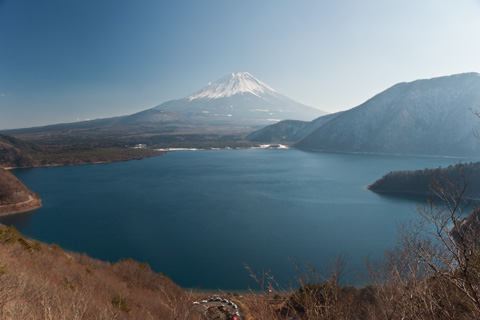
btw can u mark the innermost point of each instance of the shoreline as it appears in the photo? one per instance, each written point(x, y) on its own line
point(22, 207)
point(78, 164)
point(413, 194)
point(273, 146)
point(4, 214)
point(473, 158)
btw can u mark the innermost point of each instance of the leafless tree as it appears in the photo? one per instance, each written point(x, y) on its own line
point(434, 271)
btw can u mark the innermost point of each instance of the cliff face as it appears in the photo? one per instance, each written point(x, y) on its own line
point(15, 196)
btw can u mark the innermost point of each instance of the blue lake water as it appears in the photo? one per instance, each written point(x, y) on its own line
point(199, 216)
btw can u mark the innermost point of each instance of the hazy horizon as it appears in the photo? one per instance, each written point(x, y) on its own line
point(77, 60)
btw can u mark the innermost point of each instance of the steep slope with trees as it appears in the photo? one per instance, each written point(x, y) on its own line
point(17, 153)
point(289, 130)
point(423, 117)
point(419, 182)
point(15, 196)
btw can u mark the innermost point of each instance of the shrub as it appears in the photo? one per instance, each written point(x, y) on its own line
point(121, 303)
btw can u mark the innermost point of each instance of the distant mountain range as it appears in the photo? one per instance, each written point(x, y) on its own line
point(235, 103)
point(423, 117)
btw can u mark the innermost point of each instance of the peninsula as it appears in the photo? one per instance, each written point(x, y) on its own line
point(15, 197)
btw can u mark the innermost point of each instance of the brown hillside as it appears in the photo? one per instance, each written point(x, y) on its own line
point(15, 196)
point(38, 281)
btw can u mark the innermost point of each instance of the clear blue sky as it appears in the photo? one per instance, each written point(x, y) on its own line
point(63, 60)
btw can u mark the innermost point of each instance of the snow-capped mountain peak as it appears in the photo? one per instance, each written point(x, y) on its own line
point(235, 83)
point(239, 99)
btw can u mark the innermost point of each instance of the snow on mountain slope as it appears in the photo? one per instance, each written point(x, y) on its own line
point(239, 98)
point(423, 117)
point(236, 83)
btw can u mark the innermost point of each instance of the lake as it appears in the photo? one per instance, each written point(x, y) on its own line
point(199, 216)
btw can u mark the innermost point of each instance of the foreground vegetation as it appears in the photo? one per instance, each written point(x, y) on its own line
point(432, 273)
point(39, 281)
point(418, 279)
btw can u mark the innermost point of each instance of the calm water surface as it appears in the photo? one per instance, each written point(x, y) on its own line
point(198, 216)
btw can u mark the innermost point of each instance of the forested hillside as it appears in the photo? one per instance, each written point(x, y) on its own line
point(420, 182)
point(17, 153)
point(423, 117)
point(289, 130)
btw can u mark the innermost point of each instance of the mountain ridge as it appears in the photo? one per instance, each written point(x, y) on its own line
point(239, 98)
point(235, 83)
point(422, 117)
point(287, 131)
point(233, 104)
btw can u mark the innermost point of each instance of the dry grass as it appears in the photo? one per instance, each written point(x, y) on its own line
point(39, 281)
point(12, 190)
point(433, 273)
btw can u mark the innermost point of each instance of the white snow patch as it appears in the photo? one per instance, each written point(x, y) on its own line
point(178, 149)
point(272, 146)
point(240, 82)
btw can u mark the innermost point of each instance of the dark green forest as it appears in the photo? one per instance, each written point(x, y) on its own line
point(420, 182)
point(19, 153)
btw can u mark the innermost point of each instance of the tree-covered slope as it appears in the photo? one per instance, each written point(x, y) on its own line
point(17, 153)
point(423, 117)
point(427, 181)
point(289, 130)
point(15, 196)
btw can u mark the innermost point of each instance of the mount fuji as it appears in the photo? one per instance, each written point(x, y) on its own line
point(226, 109)
point(240, 99)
